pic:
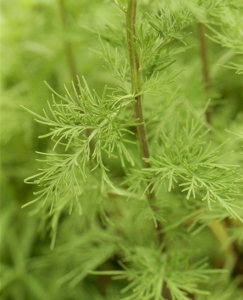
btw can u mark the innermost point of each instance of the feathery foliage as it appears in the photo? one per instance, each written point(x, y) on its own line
point(139, 190)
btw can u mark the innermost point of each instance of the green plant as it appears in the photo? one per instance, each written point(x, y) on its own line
point(139, 186)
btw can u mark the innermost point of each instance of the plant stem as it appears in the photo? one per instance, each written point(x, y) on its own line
point(136, 84)
point(219, 229)
point(136, 80)
point(205, 67)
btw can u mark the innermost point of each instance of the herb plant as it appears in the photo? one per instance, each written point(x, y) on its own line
point(140, 183)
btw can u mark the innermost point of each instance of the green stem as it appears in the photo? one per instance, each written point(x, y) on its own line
point(136, 84)
point(136, 80)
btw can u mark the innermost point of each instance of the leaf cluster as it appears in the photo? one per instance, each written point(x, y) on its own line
point(185, 161)
point(88, 125)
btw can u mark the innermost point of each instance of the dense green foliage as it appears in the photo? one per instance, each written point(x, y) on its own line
point(109, 210)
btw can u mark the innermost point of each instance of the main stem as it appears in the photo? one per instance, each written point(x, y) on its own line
point(136, 80)
point(136, 84)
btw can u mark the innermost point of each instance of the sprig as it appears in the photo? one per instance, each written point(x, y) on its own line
point(185, 161)
point(75, 123)
point(148, 274)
